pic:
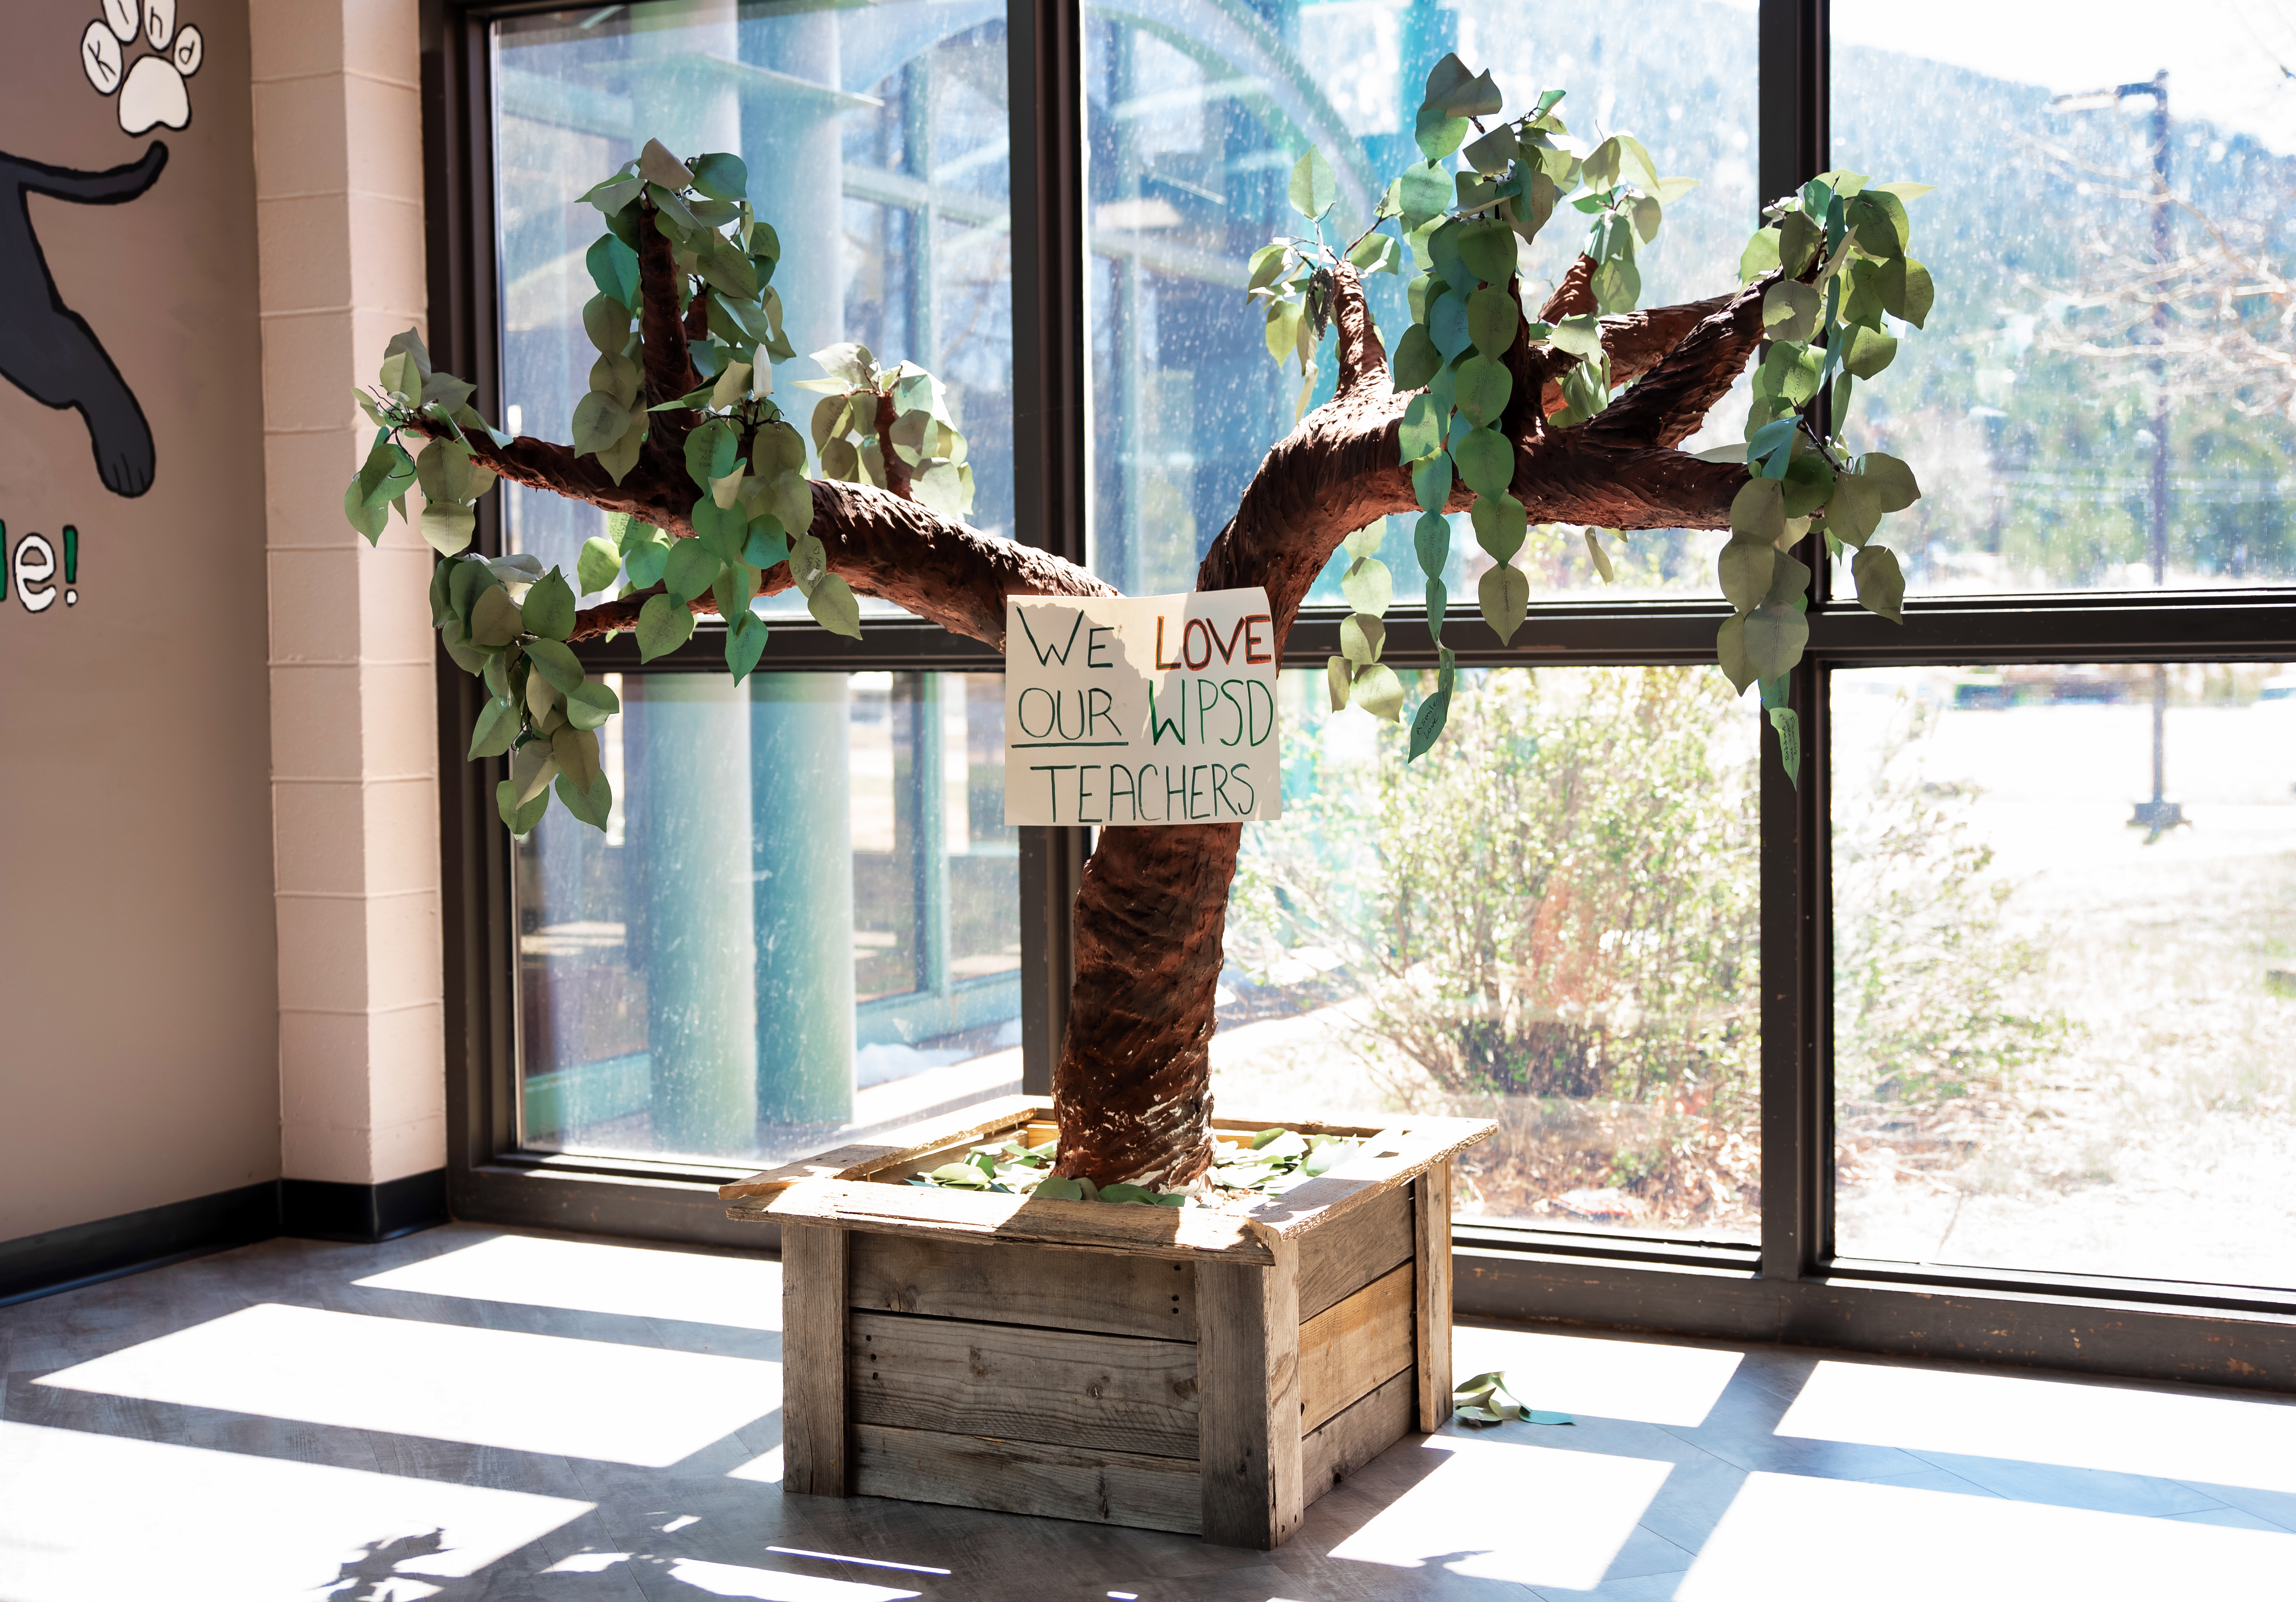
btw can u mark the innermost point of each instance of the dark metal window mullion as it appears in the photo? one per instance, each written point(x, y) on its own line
point(1796, 1084)
point(1044, 86)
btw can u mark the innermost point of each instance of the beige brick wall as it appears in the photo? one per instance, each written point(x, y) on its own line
point(354, 757)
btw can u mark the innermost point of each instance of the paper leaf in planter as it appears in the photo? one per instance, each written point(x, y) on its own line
point(1058, 1189)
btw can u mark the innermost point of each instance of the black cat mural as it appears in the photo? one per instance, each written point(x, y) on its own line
point(46, 349)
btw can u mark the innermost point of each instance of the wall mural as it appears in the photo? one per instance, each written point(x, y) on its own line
point(48, 350)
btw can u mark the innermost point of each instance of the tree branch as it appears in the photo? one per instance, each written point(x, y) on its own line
point(1574, 296)
point(1363, 358)
point(1672, 399)
point(897, 471)
point(902, 552)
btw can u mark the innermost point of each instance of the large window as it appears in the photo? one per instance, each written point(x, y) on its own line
point(1998, 993)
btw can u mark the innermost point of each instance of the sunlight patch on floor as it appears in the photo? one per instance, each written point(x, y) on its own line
point(1790, 1539)
point(2216, 1440)
point(640, 1405)
point(103, 1519)
point(589, 1278)
point(1495, 1510)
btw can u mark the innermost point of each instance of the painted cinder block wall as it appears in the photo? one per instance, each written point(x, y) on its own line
point(219, 956)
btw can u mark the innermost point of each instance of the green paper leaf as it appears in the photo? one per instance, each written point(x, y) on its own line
point(556, 663)
point(1314, 188)
point(607, 322)
point(1881, 582)
point(596, 567)
point(1501, 525)
point(1431, 482)
point(1487, 246)
point(1492, 321)
point(591, 806)
point(576, 750)
point(1416, 359)
point(1378, 691)
point(1891, 477)
point(1504, 593)
point(1368, 585)
point(1339, 677)
point(549, 608)
point(1855, 511)
point(1485, 461)
point(1783, 719)
point(495, 729)
point(1745, 568)
point(495, 618)
point(1427, 724)
point(1600, 557)
point(712, 450)
point(614, 269)
point(588, 705)
point(692, 569)
point(664, 624)
point(721, 176)
point(1430, 539)
point(1484, 388)
point(1423, 428)
point(745, 641)
point(1362, 638)
point(1057, 1188)
point(599, 421)
point(1869, 353)
point(1773, 638)
point(834, 606)
point(446, 526)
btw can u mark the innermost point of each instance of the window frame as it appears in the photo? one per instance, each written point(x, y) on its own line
point(1792, 1287)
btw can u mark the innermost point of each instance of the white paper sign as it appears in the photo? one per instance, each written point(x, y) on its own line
point(1154, 710)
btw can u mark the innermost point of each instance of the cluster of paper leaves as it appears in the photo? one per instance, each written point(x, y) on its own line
point(409, 391)
point(725, 257)
point(1015, 1167)
point(851, 432)
point(1847, 237)
point(1485, 1400)
point(506, 620)
point(1461, 211)
point(1356, 677)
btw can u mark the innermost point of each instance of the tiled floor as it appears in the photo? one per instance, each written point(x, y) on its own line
point(467, 1414)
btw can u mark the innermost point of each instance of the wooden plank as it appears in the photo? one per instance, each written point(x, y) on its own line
point(1182, 1234)
point(1248, 1350)
point(1430, 1199)
point(1012, 1382)
point(1348, 1350)
point(1031, 1477)
point(1106, 1291)
point(1340, 1260)
point(823, 1165)
point(954, 1131)
point(1359, 1432)
point(813, 1359)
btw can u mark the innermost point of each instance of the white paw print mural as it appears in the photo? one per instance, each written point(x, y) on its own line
point(153, 93)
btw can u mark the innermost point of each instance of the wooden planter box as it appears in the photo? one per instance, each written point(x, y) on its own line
point(1167, 1368)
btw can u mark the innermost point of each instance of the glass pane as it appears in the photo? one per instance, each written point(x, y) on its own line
point(1197, 110)
point(1586, 973)
point(2101, 398)
point(890, 118)
point(803, 924)
point(2065, 968)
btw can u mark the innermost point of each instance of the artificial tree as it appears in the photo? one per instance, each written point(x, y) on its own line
point(1572, 415)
